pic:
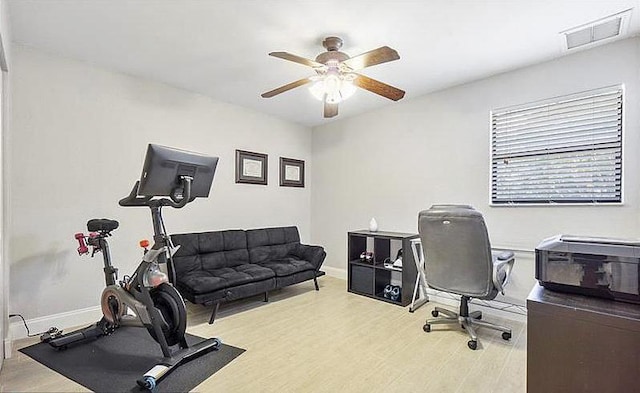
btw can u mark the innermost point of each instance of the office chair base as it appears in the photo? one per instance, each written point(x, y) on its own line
point(469, 323)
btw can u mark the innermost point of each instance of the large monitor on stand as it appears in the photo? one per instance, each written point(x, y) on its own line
point(165, 167)
point(172, 172)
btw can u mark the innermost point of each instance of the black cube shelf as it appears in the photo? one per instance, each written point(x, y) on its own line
point(369, 278)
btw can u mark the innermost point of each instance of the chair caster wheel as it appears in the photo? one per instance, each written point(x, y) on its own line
point(473, 344)
point(506, 336)
point(435, 313)
point(426, 327)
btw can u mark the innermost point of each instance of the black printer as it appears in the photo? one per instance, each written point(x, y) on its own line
point(593, 266)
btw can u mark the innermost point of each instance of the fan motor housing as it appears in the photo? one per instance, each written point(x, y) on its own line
point(332, 55)
point(332, 45)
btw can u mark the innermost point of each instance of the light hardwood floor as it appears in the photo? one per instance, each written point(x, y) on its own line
point(330, 341)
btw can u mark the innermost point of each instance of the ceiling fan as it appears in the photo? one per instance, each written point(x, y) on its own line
point(336, 78)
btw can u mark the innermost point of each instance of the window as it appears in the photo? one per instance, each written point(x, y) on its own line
point(565, 150)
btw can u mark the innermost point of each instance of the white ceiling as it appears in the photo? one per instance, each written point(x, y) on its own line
point(219, 47)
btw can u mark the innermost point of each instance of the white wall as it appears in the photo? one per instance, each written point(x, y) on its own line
point(78, 140)
point(5, 58)
point(392, 163)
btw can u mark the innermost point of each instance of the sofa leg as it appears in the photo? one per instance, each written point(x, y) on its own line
point(266, 297)
point(315, 282)
point(213, 314)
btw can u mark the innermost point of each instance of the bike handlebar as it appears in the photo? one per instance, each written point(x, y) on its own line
point(134, 200)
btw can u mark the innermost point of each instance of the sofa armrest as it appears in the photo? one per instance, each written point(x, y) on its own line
point(313, 254)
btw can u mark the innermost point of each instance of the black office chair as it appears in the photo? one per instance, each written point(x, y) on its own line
point(459, 260)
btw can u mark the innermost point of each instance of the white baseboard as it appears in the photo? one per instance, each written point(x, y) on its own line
point(335, 272)
point(64, 320)
point(8, 347)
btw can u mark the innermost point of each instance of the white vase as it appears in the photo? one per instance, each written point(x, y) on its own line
point(373, 225)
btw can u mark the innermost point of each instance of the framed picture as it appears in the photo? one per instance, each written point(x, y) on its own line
point(291, 172)
point(251, 167)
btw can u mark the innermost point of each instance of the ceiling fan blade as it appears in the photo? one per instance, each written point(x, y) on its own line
point(378, 87)
point(286, 87)
point(296, 59)
point(330, 110)
point(373, 57)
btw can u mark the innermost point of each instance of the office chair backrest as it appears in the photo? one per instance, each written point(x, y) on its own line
point(456, 249)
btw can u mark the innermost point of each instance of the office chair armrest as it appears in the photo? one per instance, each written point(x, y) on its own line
point(502, 261)
point(504, 255)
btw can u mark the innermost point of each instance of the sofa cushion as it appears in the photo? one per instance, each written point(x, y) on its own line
point(291, 279)
point(205, 281)
point(287, 266)
point(271, 243)
point(210, 250)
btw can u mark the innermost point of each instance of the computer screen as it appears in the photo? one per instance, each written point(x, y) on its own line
point(163, 167)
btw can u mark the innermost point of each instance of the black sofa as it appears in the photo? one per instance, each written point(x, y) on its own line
point(215, 267)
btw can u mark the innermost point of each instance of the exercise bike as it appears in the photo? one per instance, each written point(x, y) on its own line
point(148, 292)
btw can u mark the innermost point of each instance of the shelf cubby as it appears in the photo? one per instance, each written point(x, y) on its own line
point(370, 278)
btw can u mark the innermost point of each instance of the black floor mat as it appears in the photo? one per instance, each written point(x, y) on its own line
point(114, 363)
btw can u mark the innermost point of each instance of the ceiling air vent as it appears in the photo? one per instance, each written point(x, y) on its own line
point(601, 29)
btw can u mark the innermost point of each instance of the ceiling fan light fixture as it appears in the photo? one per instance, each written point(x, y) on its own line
point(347, 89)
point(317, 89)
point(332, 88)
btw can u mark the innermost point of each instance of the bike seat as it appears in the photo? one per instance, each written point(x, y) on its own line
point(102, 225)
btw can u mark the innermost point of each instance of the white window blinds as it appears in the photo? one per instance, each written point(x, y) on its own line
point(566, 150)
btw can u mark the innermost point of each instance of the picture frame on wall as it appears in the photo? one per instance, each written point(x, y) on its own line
point(291, 172)
point(251, 167)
